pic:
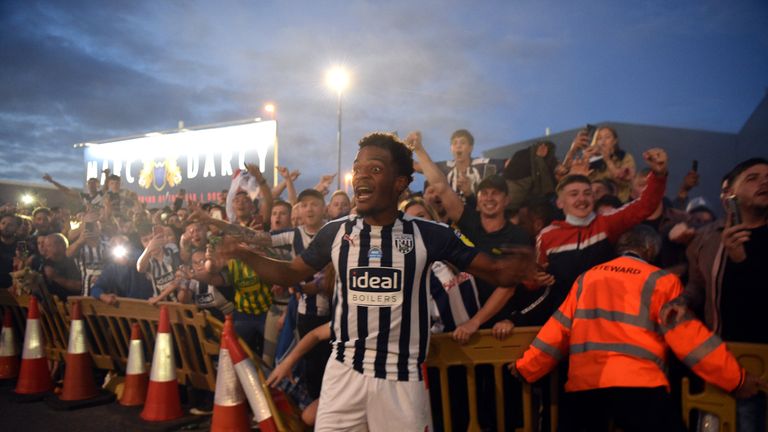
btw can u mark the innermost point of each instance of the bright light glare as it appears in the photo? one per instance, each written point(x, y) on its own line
point(337, 78)
point(27, 199)
point(119, 251)
point(270, 108)
point(348, 177)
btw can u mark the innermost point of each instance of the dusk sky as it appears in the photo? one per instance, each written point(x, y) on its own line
point(75, 71)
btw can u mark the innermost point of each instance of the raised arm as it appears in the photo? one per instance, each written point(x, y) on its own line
point(650, 199)
point(287, 183)
point(324, 183)
point(47, 177)
point(278, 272)
point(265, 203)
point(452, 202)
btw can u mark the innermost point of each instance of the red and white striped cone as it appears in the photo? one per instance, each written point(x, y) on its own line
point(249, 380)
point(9, 352)
point(136, 376)
point(34, 375)
point(163, 401)
point(79, 383)
point(230, 413)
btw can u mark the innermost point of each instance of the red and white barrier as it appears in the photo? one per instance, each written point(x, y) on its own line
point(249, 380)
point(163, 403)
point(230, 413)
point(9, 351)
point(136, 376)
point(79, 383)
point(34, 375)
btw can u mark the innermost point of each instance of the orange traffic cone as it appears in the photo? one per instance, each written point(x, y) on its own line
point(79, 383)
point(230, 413)
point(9, 352)
point(249, 379)
point(136, 376)
point(163, 401)
point(79, 390)
point(34, 375)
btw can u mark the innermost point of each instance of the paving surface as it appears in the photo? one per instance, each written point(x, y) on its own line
point(38, 416)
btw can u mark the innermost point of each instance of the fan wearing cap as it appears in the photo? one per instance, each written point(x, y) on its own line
point(485, 225)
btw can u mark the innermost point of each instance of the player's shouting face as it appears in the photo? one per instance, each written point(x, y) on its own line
point(374, 178)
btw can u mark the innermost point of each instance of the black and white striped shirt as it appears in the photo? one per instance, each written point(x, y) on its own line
point(299, 239)
point(380, 313)
point(163, 271)
point(90, 261)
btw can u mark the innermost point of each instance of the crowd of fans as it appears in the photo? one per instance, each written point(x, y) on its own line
point(572, 211)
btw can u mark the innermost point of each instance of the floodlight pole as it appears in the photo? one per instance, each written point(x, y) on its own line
point(338, 144)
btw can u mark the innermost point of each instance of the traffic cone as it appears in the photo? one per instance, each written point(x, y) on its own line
point(79, 383)
point(136, 376)
point(79, 389)
point(163, 401)
point(9, 352)
point(34, 375)
point(249, 380)
point(230, 413)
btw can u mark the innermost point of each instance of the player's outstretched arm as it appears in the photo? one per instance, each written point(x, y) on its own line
point(506, 270)
point(277, 272)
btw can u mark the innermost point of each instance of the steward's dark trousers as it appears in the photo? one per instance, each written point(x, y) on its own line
point(629, 408)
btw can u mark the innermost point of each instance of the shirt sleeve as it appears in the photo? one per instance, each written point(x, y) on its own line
point(631, 214)
point(282, 237)
point(444, 244)
point(318, 254)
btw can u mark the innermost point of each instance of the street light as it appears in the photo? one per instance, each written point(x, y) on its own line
point(27, 199)
point(338, 79)
point(270, 108)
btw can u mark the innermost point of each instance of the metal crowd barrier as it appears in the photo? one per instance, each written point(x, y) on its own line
point(195, 335)
point(54, 321)
point(484, 349)
point(712, 400)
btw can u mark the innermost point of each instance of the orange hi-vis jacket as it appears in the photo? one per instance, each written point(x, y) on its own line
point(609, 326)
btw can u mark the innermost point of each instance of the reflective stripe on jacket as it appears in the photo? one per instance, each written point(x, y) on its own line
point(609, 326)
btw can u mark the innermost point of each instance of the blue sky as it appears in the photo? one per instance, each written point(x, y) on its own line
point(76, 71)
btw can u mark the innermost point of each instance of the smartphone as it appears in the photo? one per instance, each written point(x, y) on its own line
point(695, 166)
point(733, 209)
point(591, 135)
point(22, 249)
point(490, 170)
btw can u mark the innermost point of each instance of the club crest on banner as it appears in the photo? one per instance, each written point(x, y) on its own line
point(403, 242)
point(159, 174)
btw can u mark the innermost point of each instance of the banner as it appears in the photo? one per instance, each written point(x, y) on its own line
point(156, 166)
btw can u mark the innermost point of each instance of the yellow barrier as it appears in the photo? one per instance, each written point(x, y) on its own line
point(195, 335)
point(754, 358)
point(54, 322)
point(484, 349)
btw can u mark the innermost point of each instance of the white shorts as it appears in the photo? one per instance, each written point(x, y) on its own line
point(351, 401)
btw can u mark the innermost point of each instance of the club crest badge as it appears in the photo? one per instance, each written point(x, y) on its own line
point(403, 243)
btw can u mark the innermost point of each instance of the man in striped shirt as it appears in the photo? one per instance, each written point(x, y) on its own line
point(314, 305)
point(89, 252)
point(380, 316)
